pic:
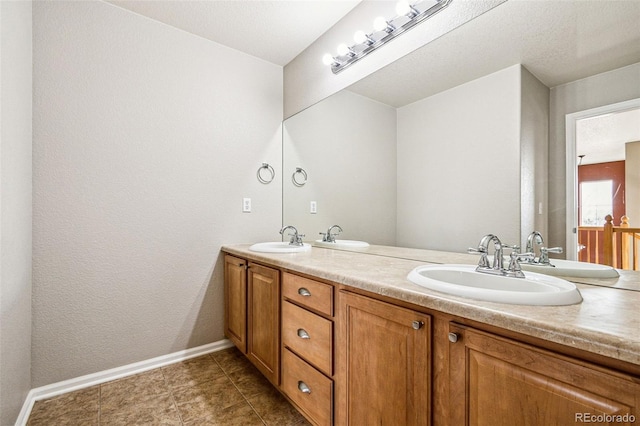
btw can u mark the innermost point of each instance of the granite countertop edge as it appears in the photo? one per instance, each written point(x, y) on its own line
point(593, 326)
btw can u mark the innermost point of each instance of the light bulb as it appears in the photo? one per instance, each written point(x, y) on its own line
point(360, 37)
point(327, 59)
point(403, 7)
point(380, 24)
point(343, 49)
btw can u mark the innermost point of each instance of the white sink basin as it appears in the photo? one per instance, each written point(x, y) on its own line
point(464, 281)
point(279, 247)
point(569, 268)
point(346, 244)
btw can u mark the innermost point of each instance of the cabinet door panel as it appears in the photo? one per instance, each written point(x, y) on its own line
point(506, 383)
point(263, 347)
point(235, 297)
point(384, 363)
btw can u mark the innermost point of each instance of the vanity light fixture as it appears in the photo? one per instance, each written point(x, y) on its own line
point(384, 31)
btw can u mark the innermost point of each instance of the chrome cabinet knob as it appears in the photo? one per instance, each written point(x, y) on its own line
point(304, 292)
point(302, 386)
point(302, 333)
point(453, 337)
point(417, 325)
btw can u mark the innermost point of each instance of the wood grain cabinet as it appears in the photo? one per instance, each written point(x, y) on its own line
point(308, 346)
point(348, 359)
point(498, 381)
point(252, 313)
point(384, 363)
point(235, 301)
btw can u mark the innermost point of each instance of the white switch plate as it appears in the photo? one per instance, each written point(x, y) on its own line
point(313, 207)
point(246, 205)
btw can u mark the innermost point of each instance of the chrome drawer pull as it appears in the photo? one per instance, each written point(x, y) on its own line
point(302, 386)
point(303, 334)
point(304, 292)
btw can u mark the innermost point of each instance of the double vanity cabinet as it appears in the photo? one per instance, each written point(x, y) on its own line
point(348, 352)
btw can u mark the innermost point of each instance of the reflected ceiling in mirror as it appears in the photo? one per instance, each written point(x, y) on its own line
point(361, 169)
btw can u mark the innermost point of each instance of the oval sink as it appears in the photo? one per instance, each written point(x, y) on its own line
point(464, 281)
point(346, 244)
point(279, 247)
point(569, 268)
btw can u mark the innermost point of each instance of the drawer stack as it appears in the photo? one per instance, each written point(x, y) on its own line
point(308, 340)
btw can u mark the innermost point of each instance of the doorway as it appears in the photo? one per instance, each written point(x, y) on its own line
point(596, 140)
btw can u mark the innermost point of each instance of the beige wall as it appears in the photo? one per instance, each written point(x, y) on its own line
point(146, 139)
point(347, 146)
point(632, 182)
point(459, 165)
point(15, 207)
point(599, 90)
point(534, 145)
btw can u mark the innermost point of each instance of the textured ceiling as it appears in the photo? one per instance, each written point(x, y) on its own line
point(273, 30)
point(558, 41)
point(602, 139)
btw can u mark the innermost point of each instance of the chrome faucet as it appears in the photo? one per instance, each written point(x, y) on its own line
point(483, 249)
point(328, 237)
point(512, 270)
point(536, 238)
point(296, 239)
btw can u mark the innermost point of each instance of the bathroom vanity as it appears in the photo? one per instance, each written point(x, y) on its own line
point(350, 341)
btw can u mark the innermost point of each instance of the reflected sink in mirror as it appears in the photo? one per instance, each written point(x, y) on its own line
point(570, 268)
point(279, 247)
point(342, 244)
point(464, 281)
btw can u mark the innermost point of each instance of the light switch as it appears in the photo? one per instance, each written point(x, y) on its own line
point(246, 205)
point(313, 207)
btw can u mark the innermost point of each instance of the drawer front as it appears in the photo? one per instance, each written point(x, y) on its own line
point(309, 335)
point(312, 294)
point(309, 389)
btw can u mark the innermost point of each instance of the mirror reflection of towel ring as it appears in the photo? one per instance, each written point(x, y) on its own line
point(271, 173)
point(299, 180)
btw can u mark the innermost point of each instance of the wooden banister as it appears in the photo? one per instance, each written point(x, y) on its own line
point(628, 242)
point(608, 240)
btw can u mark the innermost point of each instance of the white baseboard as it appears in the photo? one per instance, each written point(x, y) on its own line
point(89, 380)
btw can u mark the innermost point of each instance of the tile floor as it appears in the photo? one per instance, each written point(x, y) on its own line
point(221, 388)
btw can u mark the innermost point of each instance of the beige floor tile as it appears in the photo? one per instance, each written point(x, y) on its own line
point(79, 407)
point(199, 401)
point(275, 410)
point(192, 372)
point(132, 390)
point(237, 415)
point(250, 381)
point(156, 410)
point(231, 360)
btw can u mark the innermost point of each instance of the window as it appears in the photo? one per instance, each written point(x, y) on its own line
point(596, 202)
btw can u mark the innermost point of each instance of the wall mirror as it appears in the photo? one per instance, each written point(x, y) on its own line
point(455, 140)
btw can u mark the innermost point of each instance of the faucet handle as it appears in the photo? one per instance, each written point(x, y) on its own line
point(551, 249)
point(514, 268)
point(544, 254)
point(482, 251)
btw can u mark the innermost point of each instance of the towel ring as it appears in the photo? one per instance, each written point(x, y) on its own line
point(298, 181)
point(268, 179)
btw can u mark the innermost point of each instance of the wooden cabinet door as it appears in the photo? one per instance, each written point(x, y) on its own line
point(264, 320)
point(383, 364)
point(235, 301)
point(497, 381)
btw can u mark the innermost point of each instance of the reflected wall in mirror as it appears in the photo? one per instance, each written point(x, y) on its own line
point(479, 141)
point(438, 173)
